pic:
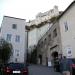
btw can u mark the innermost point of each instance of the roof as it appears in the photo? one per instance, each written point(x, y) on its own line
point(66, 9)
point(14, 17)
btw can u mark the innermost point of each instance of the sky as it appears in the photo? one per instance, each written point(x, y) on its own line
point(28, 9)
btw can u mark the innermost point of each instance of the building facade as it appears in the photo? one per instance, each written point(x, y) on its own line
point(41, 17)
point(39, 26)
point(60, 39)
point(32, 41)
point(49, 44)
point(35, 34)
point(67, 29)
point(13, 31)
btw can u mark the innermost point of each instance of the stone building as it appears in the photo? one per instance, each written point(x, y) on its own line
point(59, 39)
point(38, 27)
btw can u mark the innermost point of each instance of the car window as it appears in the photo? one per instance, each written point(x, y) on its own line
point(17, 65)
point(73, 60)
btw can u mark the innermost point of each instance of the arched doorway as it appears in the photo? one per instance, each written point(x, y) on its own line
point(54, 54)
point(56, 61)
point(40, 59)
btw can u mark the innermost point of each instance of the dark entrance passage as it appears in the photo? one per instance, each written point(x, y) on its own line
point(40, 57)
point(55, 54)
point(56, 61)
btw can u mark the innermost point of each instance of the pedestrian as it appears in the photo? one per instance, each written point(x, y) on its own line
point(65, 66)
point(56, 65)
point(60, 68)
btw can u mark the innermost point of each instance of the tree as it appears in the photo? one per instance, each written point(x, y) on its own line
point(5, 50)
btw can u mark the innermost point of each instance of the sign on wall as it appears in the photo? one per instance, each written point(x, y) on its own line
point(69, 52)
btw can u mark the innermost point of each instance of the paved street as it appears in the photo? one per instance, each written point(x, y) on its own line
point(41, 70)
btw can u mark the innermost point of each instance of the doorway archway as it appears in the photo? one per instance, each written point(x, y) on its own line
point(54, 54)
point(40, 58)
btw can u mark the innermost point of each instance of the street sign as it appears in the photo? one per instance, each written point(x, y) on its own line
point(49, 64)
point(69, 52)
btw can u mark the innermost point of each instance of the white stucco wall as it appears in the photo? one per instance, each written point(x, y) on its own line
point(42, 30)
point(36, 34)
point(32, 39)
point(6, 28)
point(68, 37)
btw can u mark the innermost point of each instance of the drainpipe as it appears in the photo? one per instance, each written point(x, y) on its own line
point(26, 49)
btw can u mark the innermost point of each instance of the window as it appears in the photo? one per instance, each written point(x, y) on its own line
point(15, 59)
point(17, 54)
point(52, 11)
point(8, 37)
point(66, 26)
point(54, 33)
point(49, 36)
point(14, 26)
point(42, 42)
point(17, 50)
point(45, 39)
point(39, 45)
point(17, 38)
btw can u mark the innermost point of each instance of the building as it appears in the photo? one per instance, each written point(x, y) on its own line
point(49, 44)
point(59, 39)
point(67, 28)
point(39, 26)
point(13, 31)
point(48, 14)
point(0, 32)
point(35, 33)
point(32, 41)
point(41, 17)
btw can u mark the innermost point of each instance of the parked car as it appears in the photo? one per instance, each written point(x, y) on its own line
point(15, 68)
point(1, 66)
point(73, 67)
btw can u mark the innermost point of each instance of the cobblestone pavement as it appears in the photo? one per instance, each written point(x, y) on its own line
point(41, 70)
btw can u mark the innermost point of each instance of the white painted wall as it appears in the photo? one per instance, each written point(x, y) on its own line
point(68, 37)
point(32, 39)
point(42, 30)
point(36, 34)
point(6, 28)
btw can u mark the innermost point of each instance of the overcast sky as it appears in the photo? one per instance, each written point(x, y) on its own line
point(28, 9)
